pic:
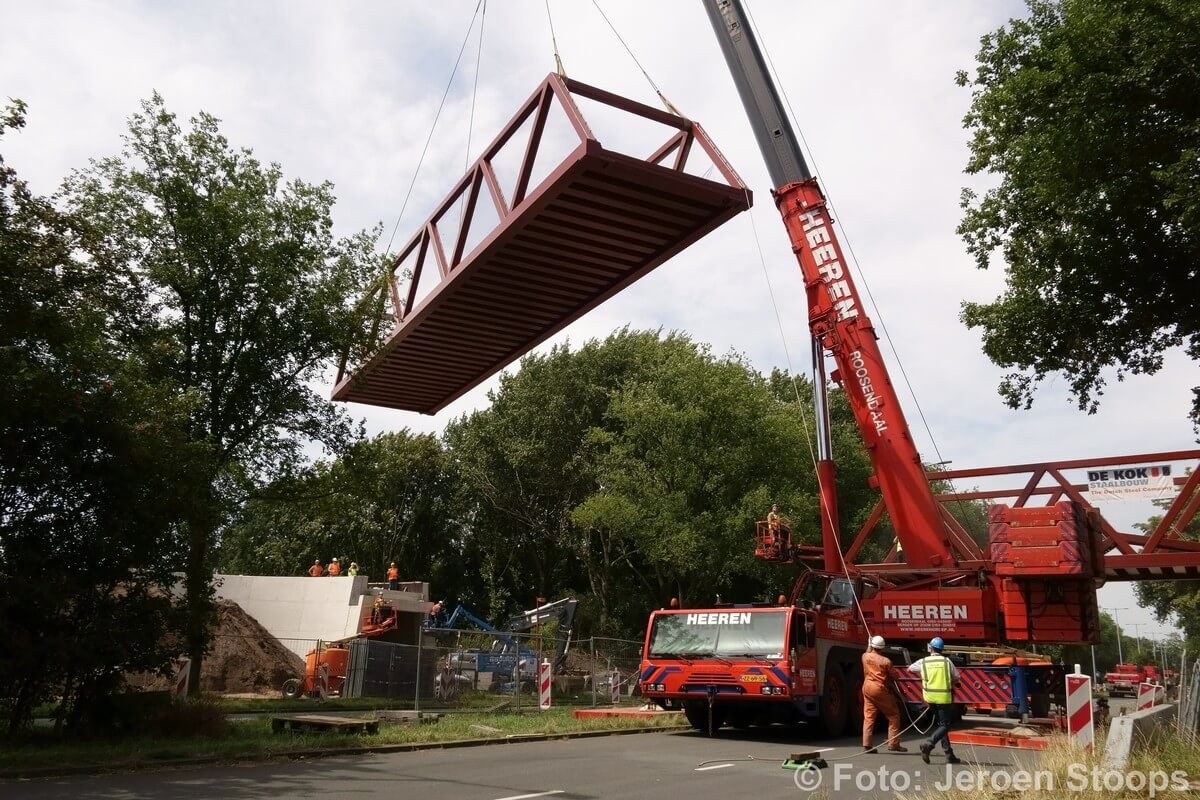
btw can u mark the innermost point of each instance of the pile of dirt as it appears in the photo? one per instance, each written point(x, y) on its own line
point(244, 658)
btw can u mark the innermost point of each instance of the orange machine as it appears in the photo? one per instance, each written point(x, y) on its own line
point(325, 665)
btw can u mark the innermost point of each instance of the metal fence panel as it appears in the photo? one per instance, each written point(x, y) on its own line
point(1189, 699)
point(454, 669)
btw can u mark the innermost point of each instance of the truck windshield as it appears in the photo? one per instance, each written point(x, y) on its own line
point(712, 633)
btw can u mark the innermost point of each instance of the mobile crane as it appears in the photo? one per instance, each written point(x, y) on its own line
point(599, 221)
point(1035, 583)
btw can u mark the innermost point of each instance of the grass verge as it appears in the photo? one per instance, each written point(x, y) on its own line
point(278, 704)
point(465, 701)
point(1167, 772)
point(254, 739)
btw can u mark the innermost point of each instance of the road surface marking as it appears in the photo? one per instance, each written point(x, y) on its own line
point(535, 794)
point(714, 766)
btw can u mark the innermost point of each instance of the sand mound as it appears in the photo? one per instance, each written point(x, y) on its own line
point(244, 658)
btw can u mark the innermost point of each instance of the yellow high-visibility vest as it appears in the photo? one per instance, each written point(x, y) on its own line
point(936, 680)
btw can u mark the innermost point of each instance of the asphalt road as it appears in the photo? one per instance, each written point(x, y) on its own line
point(654, 765)
point(1121, 705)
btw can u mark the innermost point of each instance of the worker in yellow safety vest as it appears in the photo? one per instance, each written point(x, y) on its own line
point(938, 678)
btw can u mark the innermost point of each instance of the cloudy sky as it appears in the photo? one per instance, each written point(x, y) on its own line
point(347, 91)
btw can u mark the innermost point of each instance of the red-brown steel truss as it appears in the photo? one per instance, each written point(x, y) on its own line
point(1128, 556)
point(598, 222)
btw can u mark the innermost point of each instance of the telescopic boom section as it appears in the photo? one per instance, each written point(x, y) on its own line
point(837, 319)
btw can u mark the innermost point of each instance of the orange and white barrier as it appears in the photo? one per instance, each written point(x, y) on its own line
point(1147, 694)
point(182, 680)
point(1080, 726)
point(544, 685)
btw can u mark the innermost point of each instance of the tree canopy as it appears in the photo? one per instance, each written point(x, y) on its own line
point(632, 470)
point(1176, 602)
point(94, 466)
point(248, 299)
point(1088, 113)
point(389, 498)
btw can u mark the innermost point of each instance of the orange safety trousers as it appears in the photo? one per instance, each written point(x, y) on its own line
point(877, 699)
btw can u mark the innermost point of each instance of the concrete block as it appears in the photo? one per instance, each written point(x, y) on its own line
point(1132, 731)
point(298, 610)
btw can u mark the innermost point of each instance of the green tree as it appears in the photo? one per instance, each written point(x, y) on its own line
point(525, 464)
point(1089, 114)
point(1177, 602)
point(693, 450)
point(633, 469)
point(251, 299)
point(1108, 654)
point(389, 498)
point(93, 466)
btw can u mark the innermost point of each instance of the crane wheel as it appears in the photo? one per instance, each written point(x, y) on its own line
point(835, 701)
point(292, 688)
point(697, 716)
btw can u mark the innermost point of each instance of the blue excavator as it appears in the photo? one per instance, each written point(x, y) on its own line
point(507, 650)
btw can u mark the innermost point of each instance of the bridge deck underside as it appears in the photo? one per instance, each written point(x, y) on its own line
point(600, 224)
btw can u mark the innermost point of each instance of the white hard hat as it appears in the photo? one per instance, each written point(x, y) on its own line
point(878, 643)
point(335, 559)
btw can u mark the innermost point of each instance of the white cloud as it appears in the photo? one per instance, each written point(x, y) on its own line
point(347, 91)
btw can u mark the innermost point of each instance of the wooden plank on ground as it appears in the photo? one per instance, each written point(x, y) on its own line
point(321, 722)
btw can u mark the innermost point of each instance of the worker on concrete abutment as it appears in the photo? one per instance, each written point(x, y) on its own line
point(878, 698)
point(353, 571)
point(316, 570)
point(393, 576)
point(335, 568)
point(938, 677)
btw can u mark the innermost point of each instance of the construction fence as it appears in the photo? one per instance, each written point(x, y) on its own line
point(1188, 718)
point(452, 669)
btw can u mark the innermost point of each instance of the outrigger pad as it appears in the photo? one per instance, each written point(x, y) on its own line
point(598, 222)
point(802, 761)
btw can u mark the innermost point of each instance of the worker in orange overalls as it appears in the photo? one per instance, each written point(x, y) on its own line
point(774, 523)
point(773, 519)
point(316, 570)
point(335, 568)
point(878, 698)
point(393, 575)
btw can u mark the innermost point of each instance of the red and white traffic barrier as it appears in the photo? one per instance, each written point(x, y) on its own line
point(1080, 726)
point(616, 687)
point(1147, 694)
point(182, 680)
point(544, 685)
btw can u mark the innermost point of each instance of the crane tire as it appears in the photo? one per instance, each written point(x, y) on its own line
point(835, 701)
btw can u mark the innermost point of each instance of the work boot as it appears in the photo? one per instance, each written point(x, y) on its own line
point(869, 749)
point(898, 749)
point(925, 751)
point(952, 759)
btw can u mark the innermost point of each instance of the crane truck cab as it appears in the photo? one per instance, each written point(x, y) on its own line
point(760, 663)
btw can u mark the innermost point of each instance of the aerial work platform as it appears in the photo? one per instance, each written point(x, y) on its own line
point(598, 221)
